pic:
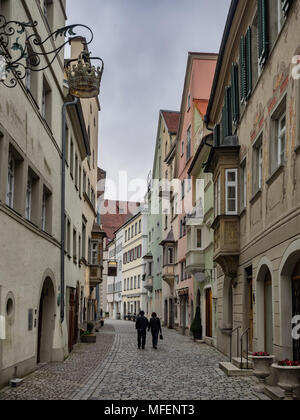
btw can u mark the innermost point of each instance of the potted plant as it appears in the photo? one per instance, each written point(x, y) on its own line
point(196, 327)
point(88, 336)
point(289, 377)
point(262, 362)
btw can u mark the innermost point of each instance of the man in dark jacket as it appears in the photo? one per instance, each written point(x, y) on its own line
point(141, 325)
point(155, 327)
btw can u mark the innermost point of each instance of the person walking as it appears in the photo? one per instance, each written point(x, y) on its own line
point(155, 327)
point(141, 325)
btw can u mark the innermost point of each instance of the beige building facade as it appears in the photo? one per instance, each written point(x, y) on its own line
point(30, 208)
point(255, 167)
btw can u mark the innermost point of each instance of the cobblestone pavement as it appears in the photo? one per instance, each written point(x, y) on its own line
point(114, 369)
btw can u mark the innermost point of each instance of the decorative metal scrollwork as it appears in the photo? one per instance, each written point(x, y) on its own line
point(21, 51)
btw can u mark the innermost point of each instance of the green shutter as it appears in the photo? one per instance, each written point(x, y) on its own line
point(235, 93)
point(286, 4)
point(224, 123)
point(249, 63)
point(243, 83)
point(217, 136)
point(263, 38)
point(228, 109)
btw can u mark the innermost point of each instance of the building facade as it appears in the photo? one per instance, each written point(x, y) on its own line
point(115, 283)
point(196, 92)
point(135, 295)
point(254, 110)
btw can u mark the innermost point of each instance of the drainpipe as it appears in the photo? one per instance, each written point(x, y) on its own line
point(63, 205)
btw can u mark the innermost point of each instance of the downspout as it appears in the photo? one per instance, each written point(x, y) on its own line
point(63, 205)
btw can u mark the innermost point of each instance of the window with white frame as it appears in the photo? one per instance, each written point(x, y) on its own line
point(10, 180)
point(281, 139)
point(94, 253)
point(243, 185)
point(199, 244)
point(231, 193)
point(278, 137)
point(170, 256)
point(28, 197)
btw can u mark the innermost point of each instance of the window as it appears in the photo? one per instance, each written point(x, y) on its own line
point(28, 197)
point(79, 180)
point(139, 282)
point(76, 170)
point(188, 145)
point(84, 182)
point(68, 237)
point(182, 148)
point(10, 181)
point(125, 285)
point(170, 256)
point(278, 137)
point(140, 226)
point(125, 235)
point(72, 158)
point(79, 250)
point(243, 186)
point(47, 103)
point(74, 244)
point(131, 283)
point(182, 189)
point(83, 240)
point(199, 238)
point(136, 229)
point(231, 191)
point(135, 283)
point(94, 252)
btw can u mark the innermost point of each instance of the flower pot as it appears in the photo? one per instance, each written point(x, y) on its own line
point(289, 379)
point(262, 370)
point(89, 338)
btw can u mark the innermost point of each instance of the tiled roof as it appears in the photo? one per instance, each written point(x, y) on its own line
point(172, 120)
point(201, 105)
point(112, 222)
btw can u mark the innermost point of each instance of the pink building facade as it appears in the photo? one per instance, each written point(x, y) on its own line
point(198, 83)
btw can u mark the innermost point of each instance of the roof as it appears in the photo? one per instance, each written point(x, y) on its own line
point(112, 222)
point(172, 120)
point(201, 105)
point(169, 239)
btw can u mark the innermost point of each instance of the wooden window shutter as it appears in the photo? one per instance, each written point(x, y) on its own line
point(263, 41)
point(235, 93)
point(249, 62)
point(224, 123)
point(243, 82)
point(217, 137)
point(286, 4)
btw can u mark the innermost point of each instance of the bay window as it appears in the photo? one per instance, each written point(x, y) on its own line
point(217, 196)
point(231, 197)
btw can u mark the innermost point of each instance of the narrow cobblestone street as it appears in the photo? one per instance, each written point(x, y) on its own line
point(114, 369)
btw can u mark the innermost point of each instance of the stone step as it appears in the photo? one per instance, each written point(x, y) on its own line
point(274, 392)
point(230, 370)
point(237, 362)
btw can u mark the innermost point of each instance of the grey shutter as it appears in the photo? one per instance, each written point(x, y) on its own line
point(228, 109)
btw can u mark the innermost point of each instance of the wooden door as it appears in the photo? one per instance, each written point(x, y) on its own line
point(296, 307)
point(208, 313)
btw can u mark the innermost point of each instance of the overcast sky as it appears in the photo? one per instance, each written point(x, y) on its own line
point(144, 44)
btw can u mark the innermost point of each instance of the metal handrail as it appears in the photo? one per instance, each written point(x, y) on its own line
point(246, 332)
point(231, 334)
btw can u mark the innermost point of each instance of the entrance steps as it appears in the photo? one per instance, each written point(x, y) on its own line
point(274, 392)
point(231, 370)
point(242, 365)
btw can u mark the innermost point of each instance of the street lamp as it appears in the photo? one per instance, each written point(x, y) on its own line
point(20, 53)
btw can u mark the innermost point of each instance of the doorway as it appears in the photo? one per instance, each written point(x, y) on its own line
point(268, 313)
point(171, 314)
point(208, 306)
point(46, 322)
point(166, 313)
point(296, 306)
point(249, 277)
